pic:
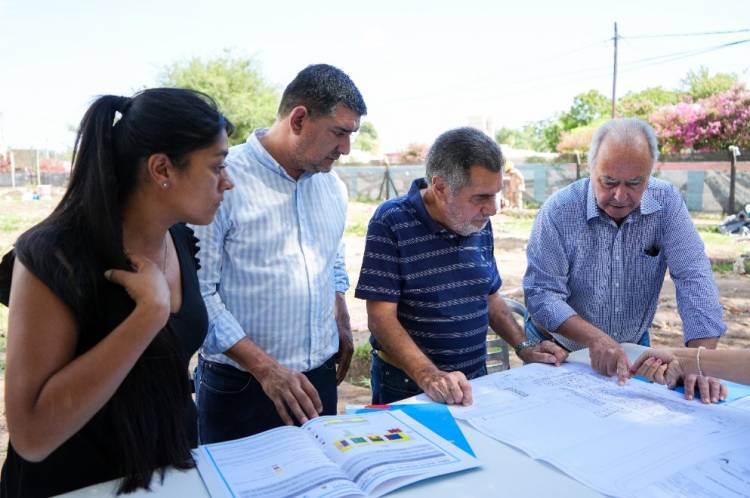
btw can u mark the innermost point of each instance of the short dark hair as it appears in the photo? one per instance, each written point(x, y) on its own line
point(320, 87)
point(456, 151)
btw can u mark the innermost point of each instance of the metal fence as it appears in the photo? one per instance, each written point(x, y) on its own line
point(29, 179)
point(704, 185)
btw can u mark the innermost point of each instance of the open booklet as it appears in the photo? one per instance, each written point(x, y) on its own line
point(368, 454)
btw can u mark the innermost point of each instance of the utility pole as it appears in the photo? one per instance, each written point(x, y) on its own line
point(734, 151)
point(614, 78)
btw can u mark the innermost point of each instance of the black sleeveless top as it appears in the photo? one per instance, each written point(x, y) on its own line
point(93, 454)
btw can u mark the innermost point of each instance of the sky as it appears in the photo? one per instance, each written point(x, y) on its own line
point(422, 66)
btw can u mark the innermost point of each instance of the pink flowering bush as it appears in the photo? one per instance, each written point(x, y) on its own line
point(713, 123)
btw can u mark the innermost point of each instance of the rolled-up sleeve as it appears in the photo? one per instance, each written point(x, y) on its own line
point(690, 269)
point(224, 331)
point(341, 278)
point(545, 283)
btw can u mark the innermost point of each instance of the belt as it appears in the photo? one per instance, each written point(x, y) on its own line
point(388, 359)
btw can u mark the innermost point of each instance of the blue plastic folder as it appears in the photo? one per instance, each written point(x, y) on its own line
point(736, 391)
point(434, 416)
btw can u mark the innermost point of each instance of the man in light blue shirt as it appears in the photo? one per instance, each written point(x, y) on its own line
point(273, 274)
point(600, 248)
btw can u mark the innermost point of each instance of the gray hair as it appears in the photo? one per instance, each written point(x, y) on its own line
point(456, 151)
point(625, 129)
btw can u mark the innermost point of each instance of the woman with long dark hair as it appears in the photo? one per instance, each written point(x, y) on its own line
point(104, 305)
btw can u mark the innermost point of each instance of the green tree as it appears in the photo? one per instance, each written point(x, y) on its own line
point(541, 136)
point(587, 108)
point(507, 136)
point(700, 84)
point(644, 103)
point(236, 84)
point(367, 137)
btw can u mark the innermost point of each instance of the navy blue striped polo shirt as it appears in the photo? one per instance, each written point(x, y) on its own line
point(439, 279)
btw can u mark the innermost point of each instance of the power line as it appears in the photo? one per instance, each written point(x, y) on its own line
point(575, 74)
point(576, 50)
point(674, 35)
point(661, 59)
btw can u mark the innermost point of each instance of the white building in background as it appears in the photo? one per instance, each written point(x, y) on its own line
point(522, 155)
point(483, 123)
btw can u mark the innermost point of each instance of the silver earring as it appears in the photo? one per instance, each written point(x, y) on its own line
point(165, 185)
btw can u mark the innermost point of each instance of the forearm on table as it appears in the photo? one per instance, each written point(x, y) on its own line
point(579, 330)
point(502, 321)
point(729, 364)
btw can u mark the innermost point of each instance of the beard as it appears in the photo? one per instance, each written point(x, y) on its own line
point(461, 226)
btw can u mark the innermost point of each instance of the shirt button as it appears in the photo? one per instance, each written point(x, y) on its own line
point(617, 285)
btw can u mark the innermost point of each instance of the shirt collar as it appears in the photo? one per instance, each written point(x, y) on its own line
point(649, 204)
point(592, 210)
point(264, 158)
point(416, 200)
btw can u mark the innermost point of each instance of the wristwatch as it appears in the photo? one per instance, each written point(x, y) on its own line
point(528, 343)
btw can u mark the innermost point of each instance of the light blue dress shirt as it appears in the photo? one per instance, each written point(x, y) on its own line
point(272, 260)
point(581, 262)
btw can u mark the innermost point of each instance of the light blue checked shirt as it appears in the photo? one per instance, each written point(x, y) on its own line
point(272, 260)
point(581, 262)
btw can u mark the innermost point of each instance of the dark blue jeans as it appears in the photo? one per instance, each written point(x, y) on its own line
point(391, 384)
point(232, 404)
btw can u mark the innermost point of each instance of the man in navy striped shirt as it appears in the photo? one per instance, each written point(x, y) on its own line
point(430, 279)
point(600, 248)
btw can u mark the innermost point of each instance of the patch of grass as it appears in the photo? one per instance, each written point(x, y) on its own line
point(17, 215)
point(516, 221)
point(722, 267)
point(359, 371)
point(533, 205)
point(361, 381)
point(718, 240)
point(367, 200)
point(356, 228)
point(717, 217)
point(515, 224)
point(10, 222)
point(707, 228)
point(362, 352)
